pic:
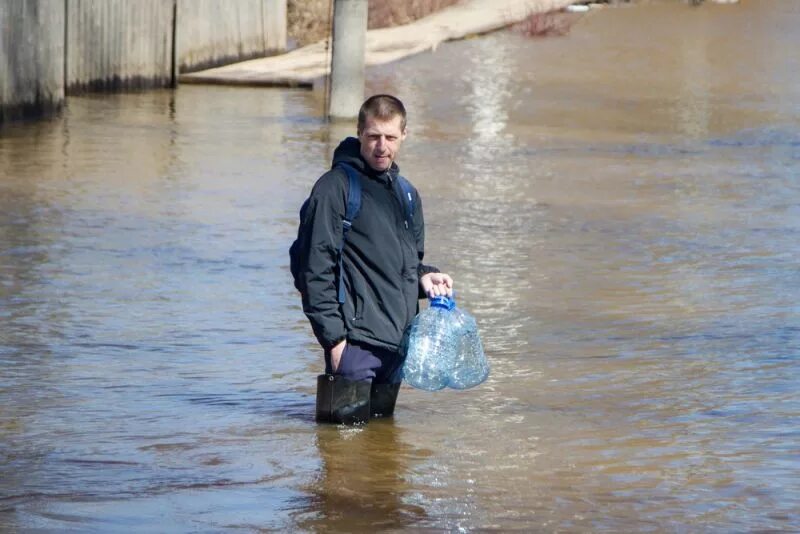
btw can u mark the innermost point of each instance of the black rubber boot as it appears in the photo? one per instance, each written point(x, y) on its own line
point(342, 401)
point(382, 399)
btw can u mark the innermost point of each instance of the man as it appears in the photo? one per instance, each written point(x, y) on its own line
point(362, 329)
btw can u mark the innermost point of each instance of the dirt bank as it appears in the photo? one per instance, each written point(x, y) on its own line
point(308, 21)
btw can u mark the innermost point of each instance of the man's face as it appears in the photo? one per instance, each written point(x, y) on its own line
point(380, 141)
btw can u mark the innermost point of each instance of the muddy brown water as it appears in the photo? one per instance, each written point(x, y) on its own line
point(621, 212)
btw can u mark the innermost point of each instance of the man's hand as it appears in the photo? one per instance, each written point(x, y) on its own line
point(336, 355)
point(436, 284)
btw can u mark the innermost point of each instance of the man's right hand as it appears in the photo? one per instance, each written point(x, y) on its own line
point(336, 355)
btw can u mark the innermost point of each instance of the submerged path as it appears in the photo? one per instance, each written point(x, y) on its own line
point(299, 68)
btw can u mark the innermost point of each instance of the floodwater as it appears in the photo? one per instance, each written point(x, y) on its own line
point(619, 207)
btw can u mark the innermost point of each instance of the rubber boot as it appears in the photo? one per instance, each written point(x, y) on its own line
point(342, 401)
point(382, 399)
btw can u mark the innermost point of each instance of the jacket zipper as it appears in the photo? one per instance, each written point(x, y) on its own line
point(405, 237)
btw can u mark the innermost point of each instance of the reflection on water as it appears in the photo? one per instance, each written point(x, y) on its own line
point(619, 208)
point(361, 483)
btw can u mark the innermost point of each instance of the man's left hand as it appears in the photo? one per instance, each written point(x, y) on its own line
point(436, 284)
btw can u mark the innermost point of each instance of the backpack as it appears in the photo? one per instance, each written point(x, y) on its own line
point(297, 252)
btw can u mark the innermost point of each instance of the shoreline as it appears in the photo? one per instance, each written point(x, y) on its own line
point(301, 67)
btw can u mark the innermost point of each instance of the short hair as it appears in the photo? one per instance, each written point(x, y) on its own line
point(381, 107)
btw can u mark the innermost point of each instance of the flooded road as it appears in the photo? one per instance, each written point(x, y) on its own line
point(619, 208)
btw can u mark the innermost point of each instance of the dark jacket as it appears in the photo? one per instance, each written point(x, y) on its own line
point(381, 258)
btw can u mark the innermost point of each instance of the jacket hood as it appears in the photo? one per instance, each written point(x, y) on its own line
point(349, 151)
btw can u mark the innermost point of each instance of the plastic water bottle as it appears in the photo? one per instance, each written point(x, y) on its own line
point(443, 348)
point(430, 345)
point(470, 366)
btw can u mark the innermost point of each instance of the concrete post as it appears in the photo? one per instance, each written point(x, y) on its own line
point(347, 65)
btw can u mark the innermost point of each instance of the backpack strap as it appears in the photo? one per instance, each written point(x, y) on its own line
point(407, 191)
point(351, 212)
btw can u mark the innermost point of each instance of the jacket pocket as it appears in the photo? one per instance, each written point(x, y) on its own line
point(356, 299)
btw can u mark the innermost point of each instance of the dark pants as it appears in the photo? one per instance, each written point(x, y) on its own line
point(362, 362)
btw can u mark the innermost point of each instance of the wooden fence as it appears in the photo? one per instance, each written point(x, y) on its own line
point(53, 48)
point(212, 33)
point(31, 58)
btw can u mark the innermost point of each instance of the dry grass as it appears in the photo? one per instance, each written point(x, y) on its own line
point(553, 23)
point(386, 13)
point(559, 22)
point(309, 20)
